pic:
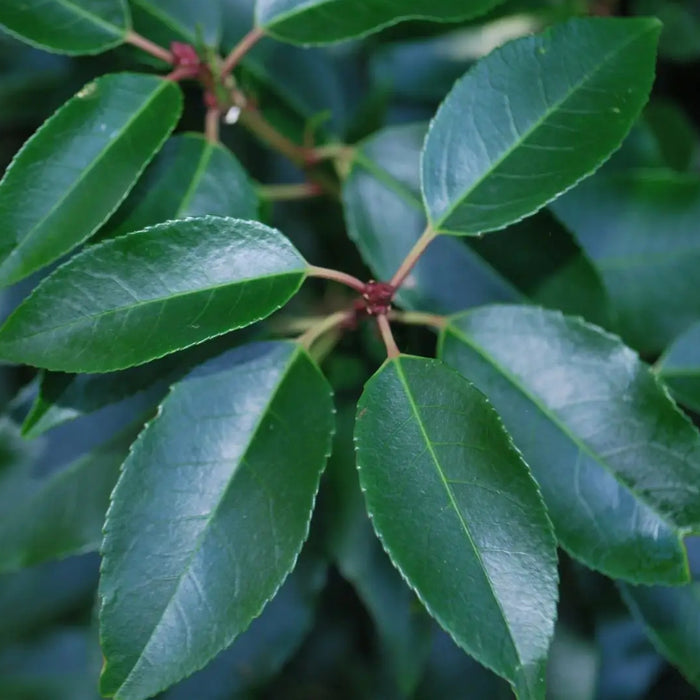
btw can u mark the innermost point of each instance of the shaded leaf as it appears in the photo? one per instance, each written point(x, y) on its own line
point(164, 21)
point(642, 230)
point(533, 118)
point(385, 217)
point(618, 464)
point(75, 27)
point(459, 514)
point(325, 21)
point(141, 296)
point(71, 175)
point(199, 538)
point(679, 368)
point(680, 38)
point(189, 177)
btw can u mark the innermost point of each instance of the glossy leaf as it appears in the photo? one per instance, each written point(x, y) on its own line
point(189, 177)
point(325, 21)
point(60, 514)
point(679, 368)
point(642, 230)
point(671, 617)
point(210, 513)
point(71, 175)
point(144, 295)
point(164, 21)
point(385, 217)
point(533, 118)
point(618, 463)
point(459, 514)
point(72, 27)
point(64, 397)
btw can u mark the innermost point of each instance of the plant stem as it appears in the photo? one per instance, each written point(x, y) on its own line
point(211, 125)
point(418, 318)
point(337, 276)
point(308, 338)
point(283, 193)
point(392, 349)
point(241, 49)
point(412, 258)
point(148, 46)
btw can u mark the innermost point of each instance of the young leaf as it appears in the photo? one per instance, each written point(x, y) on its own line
point(189, 177)
point(385, 217)
point(210, 513)
point(326, 21)
point(75, 27)
point(640, 228)
point(671, 617)
point(144, 295)
point(533, 118)
point(459, 514)
point(679, 368)
point(618, 464)
point(61, 514)
point(71, 175)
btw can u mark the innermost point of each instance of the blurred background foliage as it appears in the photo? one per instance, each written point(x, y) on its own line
point(622, 250)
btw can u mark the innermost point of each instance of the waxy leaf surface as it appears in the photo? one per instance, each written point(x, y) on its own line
point(679, 368)
point(67, 26)
point(618, 463)
point(189, 177)
point(325, 21)
point(144, 295)
point(533, 118)
point(210, 513)
point(460, 515)
point(73, 173)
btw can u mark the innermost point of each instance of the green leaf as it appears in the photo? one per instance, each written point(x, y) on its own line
point(189, 177)
point(65, 397)
point(210, 513)
point(164, 21)
point(679, 368)
point(71, 175)
point(533, 118)
point(67, 26)
point(671, 617)
point(144, 295)
point(459, 514)
point(680, 38)
point(60, 514)
point(385, 217)
point(640, 228)
point(326, 21)
point(676, 136)
point(618, 463)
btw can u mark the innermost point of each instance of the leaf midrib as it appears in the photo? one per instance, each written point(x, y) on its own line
point(158, 300)
point(202, 165)
point(465, 527)
point(459, 200)
point(22, 243)
point(214, 512)
point(582, 446)
point(95, 19)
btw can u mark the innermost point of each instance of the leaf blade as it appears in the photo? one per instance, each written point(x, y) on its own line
point(86, 26)
point(479, 184)
point(235, 538)
point(581, 408)
point(411, 428)
point(75, 170)
point(108, 308)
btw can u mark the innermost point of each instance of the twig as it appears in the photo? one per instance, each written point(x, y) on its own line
point(392, 349)
point(337, 276)
point(283, 193)
point(211, 124)
point(413, 256)
point(149, 47)
point(241, 49)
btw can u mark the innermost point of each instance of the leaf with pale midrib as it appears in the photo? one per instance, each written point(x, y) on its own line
point(459, 514)
point(618, 464)
point(210, 513)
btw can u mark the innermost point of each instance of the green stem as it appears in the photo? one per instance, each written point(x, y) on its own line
point(418, 318)
point(337, 276)
point(328, 323)
point(392, 349)
point(284, 193)
point(241, 49)
point(413, 256)
point(149, 47)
